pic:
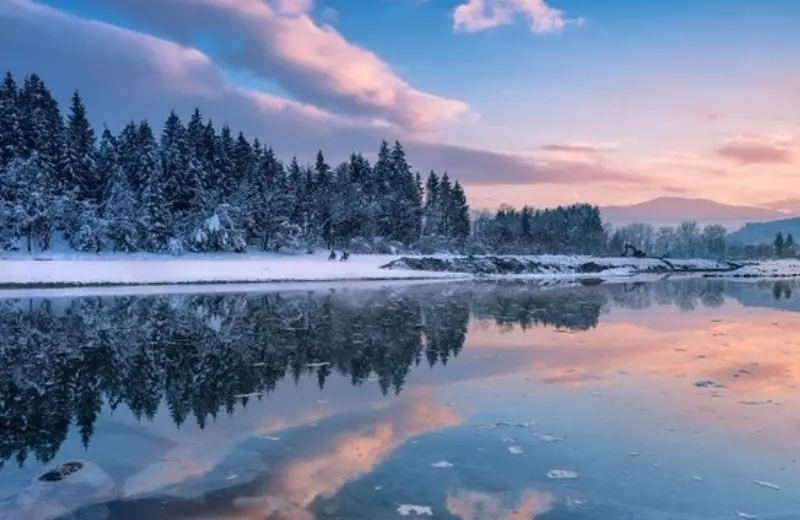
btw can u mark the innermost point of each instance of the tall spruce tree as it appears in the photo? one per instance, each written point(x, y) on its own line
point(155, 229)
point(11, 143)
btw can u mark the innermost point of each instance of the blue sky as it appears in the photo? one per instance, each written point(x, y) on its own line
point(692, 97)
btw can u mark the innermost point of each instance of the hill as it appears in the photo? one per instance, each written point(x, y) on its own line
point(764, 232)
point(671, 211)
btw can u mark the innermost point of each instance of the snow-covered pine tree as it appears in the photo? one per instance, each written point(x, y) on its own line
point(382, 197)
point(43, 130)
point(128, 145)
point(225, 165)
point(182, 176)
point(119, 202)
point(445, 202)
point(82, 186)
point(322, 186)
point(10, 129)
point(406, 205)
point(28, 213)
point(269, 204)
point(80, 161)
point(460, 224)
point(155, 229)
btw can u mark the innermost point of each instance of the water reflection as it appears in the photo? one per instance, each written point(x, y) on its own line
point(67, 363)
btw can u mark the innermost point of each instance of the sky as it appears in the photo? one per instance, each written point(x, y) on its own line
point(539, 102)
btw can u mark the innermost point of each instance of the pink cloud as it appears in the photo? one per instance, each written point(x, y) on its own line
point(747, 151)
point(280, 40)
point(481, 15)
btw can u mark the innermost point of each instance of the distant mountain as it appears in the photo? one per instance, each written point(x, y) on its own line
point(671, 211)
point(764, 232)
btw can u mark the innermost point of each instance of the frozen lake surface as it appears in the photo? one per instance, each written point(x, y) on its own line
point(675, 400)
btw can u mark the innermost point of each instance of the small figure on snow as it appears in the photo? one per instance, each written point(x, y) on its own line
point(345, 256)
point(332, 256)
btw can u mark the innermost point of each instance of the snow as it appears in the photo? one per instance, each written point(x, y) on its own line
point(88, 270)
point(58, 270)
point(785, 268)
point(409, 509)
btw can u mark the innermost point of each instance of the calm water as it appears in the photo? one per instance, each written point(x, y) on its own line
point(671, 400)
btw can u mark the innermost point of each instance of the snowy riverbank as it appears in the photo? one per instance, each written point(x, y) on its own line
point(57, 271)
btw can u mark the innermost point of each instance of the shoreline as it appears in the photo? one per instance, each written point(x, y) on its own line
point(151, 274)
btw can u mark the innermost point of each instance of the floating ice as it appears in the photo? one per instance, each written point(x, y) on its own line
point(509, 439)
point(766, 484)
point(407, 509)
point(633, 454)
point(548, 438)
point(561, 473)
point(516, 450)
point(441, 464)
point(699, 479)
point(494, 425)
point(317, 365)
point(252, 394)
point(745, 515)
point(378, 488)
point(231, 477)
point(266, 437)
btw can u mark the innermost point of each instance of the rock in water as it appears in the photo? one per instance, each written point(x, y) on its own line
point(62, 491)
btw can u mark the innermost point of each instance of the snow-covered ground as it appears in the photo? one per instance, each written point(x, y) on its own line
point(767, 269)
point(82, 270)
point(86, 270)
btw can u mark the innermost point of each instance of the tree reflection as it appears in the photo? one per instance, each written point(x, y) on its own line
point(63, 360)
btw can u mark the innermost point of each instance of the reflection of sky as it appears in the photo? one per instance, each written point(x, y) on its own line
point(625, 386)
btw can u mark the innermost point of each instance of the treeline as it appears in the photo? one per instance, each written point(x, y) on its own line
point(196, 187)
point(688, 240)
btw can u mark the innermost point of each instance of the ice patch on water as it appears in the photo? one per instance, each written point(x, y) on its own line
point(500, 424)
point(509, 440)
point(745, 515)
point(268, 438)
point(699, 479)
point(252, 394)
point(317, 365)
point(633, 454)
point(441, 464)
point(561, 474)
point(548, 438)
point(231, 477)
point(378, 488)
point(407, 509)
point(766, 484)
point(516, 450)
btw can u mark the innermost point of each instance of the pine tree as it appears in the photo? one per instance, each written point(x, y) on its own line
point(432, 209)
point(445, 198)
point(119, 201)
point(42, 130)
point(406, 208)
point(155, 230)
point(322, 186)
point(182, 176)
point(779, 245)
point(11, 144)
point(382, 198)
point(459, 217)
point(81, 166)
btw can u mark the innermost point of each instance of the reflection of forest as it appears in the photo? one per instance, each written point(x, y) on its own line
point(61, 360)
